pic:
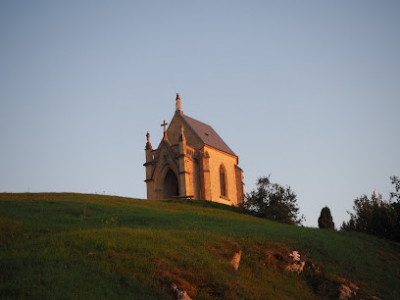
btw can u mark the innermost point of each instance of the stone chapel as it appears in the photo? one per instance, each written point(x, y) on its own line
point(192, 161)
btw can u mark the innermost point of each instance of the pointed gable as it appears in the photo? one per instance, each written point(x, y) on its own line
point(207, 134)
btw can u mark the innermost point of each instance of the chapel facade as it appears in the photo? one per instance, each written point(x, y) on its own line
point(192, 161)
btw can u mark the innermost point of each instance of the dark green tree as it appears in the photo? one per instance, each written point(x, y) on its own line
point(395, 198)
point(376, 216)
point(325, 219)
point(273, 201)
point(395, 195)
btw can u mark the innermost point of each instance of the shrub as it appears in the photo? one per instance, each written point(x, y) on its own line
point(325, 219)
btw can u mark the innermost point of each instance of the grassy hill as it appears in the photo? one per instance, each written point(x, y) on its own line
point(78, 246)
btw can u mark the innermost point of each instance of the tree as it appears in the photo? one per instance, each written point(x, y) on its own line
point(376, 216)
point(396, 205)
point(325, 219)
point(396, 182)
point(273, 201)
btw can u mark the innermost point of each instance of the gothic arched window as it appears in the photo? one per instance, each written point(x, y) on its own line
point(222, 180)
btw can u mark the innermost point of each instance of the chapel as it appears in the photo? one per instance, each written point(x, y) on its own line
point(192, 161)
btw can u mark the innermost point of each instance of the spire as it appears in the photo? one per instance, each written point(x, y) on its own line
point(148, 144)
point(178, 104)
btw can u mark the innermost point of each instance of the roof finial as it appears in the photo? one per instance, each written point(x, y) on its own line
point(178, 104)
point(148, 137)
point(148, 144)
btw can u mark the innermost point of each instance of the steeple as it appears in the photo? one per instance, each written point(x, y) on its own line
point(178, 104)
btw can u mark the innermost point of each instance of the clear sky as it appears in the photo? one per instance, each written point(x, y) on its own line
point(307, 91)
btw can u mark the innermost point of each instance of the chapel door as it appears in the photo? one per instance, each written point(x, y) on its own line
point(171, 187)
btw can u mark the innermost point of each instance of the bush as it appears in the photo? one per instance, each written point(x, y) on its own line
point(325, 219)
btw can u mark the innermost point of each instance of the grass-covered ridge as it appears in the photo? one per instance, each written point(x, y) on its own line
point(92, 246)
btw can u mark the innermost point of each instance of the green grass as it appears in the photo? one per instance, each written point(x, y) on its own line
point(91, 246)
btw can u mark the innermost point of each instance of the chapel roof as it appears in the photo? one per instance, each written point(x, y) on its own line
point(207, 134)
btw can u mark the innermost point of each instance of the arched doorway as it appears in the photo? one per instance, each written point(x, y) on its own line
point(170, 187)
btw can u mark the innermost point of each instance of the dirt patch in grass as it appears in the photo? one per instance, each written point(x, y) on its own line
point(168, 274)
point(225, 249)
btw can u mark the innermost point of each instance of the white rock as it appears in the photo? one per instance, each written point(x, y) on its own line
point(180, 295)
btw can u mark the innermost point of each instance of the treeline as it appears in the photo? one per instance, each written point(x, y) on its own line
point(372, 215)
point(377, 216)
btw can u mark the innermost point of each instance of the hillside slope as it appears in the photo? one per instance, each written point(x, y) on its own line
point(92, 246)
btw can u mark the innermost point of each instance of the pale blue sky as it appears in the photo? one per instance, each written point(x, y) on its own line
point(307, 91)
